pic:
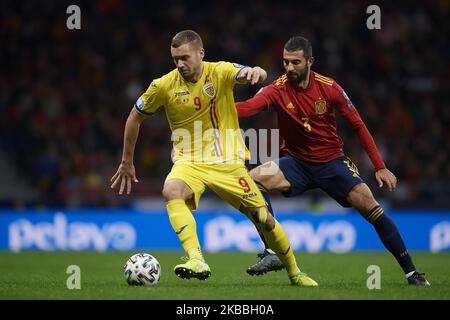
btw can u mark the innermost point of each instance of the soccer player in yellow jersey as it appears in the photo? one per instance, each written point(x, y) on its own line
point(208, 150)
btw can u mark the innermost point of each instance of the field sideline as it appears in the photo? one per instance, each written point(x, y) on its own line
point(42, 275)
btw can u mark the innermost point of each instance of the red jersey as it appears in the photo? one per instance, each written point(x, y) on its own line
point(307, 119)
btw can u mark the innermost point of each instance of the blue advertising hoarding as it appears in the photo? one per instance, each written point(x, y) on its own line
point(103, 230)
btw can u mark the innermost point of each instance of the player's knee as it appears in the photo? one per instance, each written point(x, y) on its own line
point(260, 181)
point(269, 177)
point(362, 199)
point(171, 192)
point(260, 218)
point(254, 173)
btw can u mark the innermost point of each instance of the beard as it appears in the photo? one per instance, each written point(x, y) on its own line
point(298, 77)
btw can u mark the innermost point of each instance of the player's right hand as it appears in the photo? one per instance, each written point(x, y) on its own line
point(125, 174)
point(253, 75)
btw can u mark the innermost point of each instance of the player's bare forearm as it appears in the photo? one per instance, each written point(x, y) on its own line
point(126, 173)
point(131, 133)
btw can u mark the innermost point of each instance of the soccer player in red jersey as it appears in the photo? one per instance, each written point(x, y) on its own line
point(312, 155)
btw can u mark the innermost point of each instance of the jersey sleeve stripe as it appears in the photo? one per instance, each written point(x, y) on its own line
point(239, 72)
point(281, 80)
point(142, 112)
point(321, 76)
point(323, 79)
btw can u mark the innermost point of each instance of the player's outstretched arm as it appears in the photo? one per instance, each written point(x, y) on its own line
point(252, 75)
point(251, 106)
point(351, 115)
point(126, 173)
point(382, 174)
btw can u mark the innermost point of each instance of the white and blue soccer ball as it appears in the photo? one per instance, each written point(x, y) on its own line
point(142, 269)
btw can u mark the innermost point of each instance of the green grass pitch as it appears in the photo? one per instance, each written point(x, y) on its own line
point(42, 275)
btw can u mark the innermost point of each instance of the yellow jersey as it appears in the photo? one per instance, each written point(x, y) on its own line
point(201, 115)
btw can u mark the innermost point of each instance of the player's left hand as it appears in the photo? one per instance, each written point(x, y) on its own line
point(253, 75)
point(384, 175)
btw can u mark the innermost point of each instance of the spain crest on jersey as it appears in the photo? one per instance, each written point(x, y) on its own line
point(321, 107)
point(209, 89)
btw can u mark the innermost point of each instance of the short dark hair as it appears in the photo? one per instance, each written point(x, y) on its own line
point(186, 36)
point(299, 43)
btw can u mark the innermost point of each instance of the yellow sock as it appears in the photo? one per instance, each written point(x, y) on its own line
point(183, 223)
point(277, 240)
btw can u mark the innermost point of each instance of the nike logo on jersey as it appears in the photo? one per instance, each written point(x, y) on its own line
point(181, 229)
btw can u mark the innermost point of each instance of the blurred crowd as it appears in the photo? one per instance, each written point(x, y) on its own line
point(65, 94)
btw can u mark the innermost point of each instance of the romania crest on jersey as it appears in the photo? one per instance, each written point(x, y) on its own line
point(209, 89)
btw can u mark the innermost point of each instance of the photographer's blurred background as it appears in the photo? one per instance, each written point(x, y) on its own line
point(65, 94)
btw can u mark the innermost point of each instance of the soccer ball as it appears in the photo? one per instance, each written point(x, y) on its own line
point(142, 269)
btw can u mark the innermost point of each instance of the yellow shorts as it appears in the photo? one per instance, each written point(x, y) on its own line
point(231, 182)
